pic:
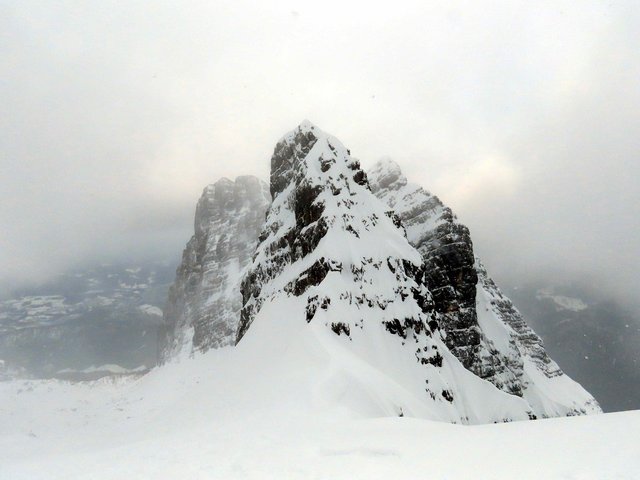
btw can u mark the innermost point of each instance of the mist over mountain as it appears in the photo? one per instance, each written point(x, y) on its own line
point(107, 319)
point(595, 339)
point(86, 323)
point(331, 298)
point(398, 267)
point(195, 284)
point(533, 143)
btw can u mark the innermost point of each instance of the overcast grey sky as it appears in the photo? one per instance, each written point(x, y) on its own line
point(523, 116)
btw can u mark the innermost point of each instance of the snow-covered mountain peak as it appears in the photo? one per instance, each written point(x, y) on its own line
point(370, 283)
point(322, 209)
point(334, 268)
point(309, 151)
point(304, 127)
point(221, 181)
point(225, 195)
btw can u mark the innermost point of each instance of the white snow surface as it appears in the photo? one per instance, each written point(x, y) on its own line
point(264, 411)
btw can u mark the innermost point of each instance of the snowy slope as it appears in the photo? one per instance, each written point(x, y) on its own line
point(484, 329)
point(334, 266)
point(545, 386)
point(202, 418)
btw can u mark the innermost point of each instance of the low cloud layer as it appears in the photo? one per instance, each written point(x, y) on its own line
point(522, 116)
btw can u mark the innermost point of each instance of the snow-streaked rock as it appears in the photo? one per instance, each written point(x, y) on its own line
point(334, 267)
point(447, 251)
point(203, 308)
point(544, 385)
point(374, 276)
point(483, 328)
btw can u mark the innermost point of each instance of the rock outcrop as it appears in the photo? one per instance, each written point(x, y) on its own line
point(334, 256)
point(481, 326)
point(203, 307)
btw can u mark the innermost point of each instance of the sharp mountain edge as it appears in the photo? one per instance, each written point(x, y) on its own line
point(204, 303)
point(378, 270)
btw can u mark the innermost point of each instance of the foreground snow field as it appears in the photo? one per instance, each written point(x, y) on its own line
point(227, 415)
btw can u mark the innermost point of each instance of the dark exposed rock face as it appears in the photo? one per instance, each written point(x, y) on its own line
point(203, 308)
point(449, 270)
point(297, 220)
point(483, 328)
point(285, 156)
point(525, 338)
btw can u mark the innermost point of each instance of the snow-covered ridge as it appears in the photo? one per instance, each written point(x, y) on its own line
point(482, 326)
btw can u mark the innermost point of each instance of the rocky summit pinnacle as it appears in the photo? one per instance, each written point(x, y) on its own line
point(335, 257)
point(315, 185)
point(203, 307)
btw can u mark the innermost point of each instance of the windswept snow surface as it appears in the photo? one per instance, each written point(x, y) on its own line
point(230, 414)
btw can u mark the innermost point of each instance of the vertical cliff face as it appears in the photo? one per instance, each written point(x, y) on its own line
point(450, 274)
point(203, 307)
point(544, 385)
point(334, 257)
point(482, 327)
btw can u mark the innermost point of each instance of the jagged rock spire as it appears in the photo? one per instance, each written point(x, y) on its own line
point(203, 307)
point(447, 251)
